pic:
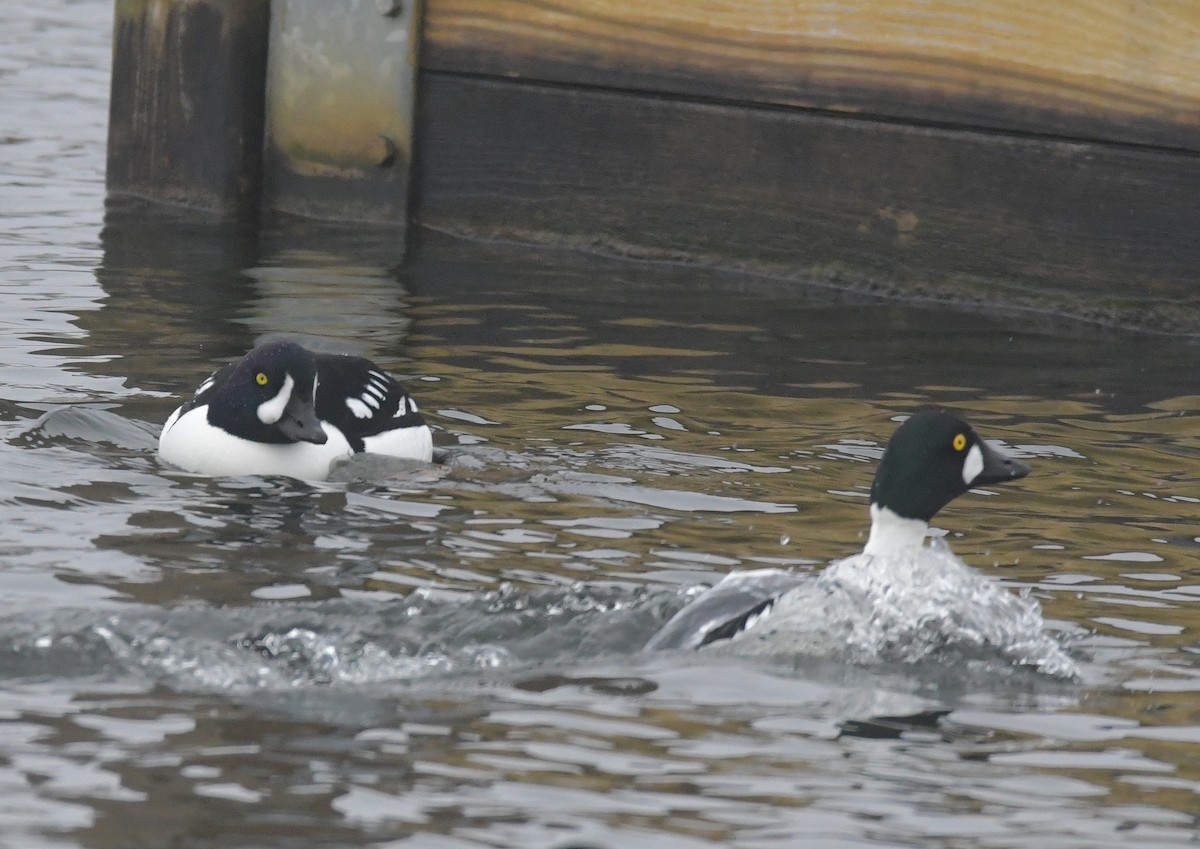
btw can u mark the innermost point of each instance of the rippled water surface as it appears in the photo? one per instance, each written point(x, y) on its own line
point(449, 657)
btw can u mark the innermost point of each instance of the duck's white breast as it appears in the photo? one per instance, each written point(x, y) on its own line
point(192, 444)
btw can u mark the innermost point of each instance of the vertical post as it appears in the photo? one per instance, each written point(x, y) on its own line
point(341, 79)
point(186, 113)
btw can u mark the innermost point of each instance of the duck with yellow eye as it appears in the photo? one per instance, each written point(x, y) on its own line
point(283, 410)
point(932, 458)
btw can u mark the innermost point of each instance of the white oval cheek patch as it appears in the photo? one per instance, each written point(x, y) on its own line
point(270, 411)
point(973, 465)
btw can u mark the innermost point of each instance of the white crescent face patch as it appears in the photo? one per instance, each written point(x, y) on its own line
point(270, 411)
point(972, 465)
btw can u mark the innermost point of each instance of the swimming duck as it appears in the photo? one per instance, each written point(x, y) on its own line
point(932, 458)
point(283, 410)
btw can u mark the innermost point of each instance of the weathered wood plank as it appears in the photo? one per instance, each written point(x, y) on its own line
point(186, 113)
point(1096, 230)
point(340, 89)
point(1127, 71)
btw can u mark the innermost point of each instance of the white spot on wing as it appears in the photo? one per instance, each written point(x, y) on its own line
point(371, 400)
point(972, 465)
point(360, 410)
point(271, 411)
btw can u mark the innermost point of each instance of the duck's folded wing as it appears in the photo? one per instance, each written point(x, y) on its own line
point(359, 399)
point(736, 603)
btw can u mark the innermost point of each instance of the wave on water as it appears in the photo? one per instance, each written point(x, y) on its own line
point(858, 613)
point(92, 425)
point(347, 642)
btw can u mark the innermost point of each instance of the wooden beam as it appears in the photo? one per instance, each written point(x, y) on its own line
point(340, 89)
point(1092, 69)
point(1099, 231)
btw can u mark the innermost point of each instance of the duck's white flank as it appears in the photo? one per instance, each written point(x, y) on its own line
point(415, 442)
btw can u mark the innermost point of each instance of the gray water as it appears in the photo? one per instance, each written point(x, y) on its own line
point(449, 657)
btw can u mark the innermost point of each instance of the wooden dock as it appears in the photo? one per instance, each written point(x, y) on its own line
point(1042, 155)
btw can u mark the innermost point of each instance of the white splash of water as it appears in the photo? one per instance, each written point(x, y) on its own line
point(922, 605)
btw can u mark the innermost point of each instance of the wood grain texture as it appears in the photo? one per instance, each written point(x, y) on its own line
point(1120, 71)
point(792, 197)
point(185, 115)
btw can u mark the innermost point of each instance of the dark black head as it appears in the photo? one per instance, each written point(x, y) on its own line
point(931, 459)
point(267, 396)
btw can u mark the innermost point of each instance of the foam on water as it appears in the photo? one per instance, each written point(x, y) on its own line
point(377, 640)
point(859, 612)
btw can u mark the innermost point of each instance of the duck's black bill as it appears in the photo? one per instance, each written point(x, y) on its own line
point(299, 423)
point(999, 467)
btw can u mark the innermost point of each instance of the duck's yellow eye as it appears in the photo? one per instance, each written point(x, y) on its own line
point(960, 441)
point(261, 378)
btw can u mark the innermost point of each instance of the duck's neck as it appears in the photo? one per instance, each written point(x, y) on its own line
point(891, 533)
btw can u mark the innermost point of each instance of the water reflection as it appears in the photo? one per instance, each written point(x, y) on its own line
point(311, 656)
point(171, 279)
